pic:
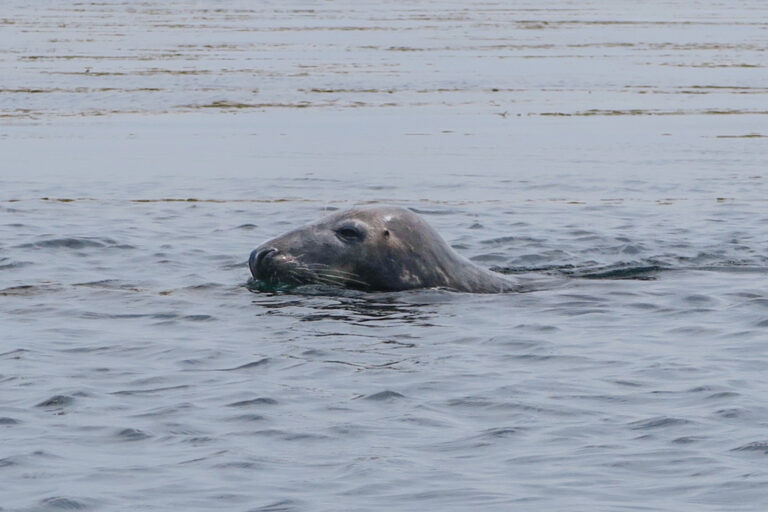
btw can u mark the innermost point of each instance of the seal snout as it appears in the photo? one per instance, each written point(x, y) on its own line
point(259, 258)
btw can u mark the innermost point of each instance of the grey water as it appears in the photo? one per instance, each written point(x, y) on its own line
point(611, 153)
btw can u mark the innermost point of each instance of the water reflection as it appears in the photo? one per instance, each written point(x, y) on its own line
point(352, 307)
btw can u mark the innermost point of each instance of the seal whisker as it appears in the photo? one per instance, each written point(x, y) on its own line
point(346, 279)
point(327, 276)
point(329, 280)
point(328, 270)
point(324, 274)
point(303, 274)
point(342, 279)
point(330, 283)
point(300, 275)
point(325, 268)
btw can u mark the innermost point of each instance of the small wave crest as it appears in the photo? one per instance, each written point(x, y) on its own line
point(644, 270)
point(75, 243)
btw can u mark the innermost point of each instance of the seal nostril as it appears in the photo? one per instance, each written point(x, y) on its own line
point(264, 253)
point(258, 258)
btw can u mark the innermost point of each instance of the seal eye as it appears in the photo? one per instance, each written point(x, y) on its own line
point(350, 234)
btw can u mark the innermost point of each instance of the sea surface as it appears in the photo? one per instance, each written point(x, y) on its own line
point(612, 154)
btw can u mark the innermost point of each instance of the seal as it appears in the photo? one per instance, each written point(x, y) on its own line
point(375, 248)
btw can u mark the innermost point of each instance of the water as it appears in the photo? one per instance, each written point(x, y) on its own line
point(612, 154)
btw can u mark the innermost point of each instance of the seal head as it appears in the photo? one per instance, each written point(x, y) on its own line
point(370, 248)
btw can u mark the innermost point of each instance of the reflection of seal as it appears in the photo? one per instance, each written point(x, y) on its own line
point(372, 248)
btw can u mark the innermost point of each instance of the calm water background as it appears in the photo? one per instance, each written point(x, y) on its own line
point(614, 152)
